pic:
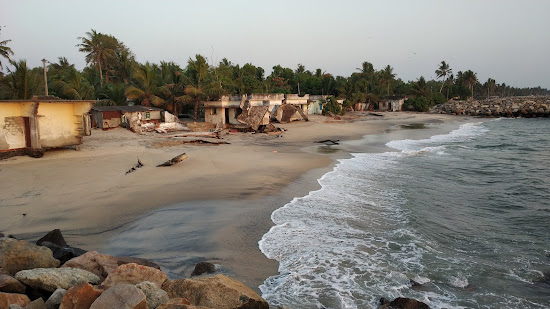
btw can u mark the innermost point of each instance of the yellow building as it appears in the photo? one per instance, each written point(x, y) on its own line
point(43, 122)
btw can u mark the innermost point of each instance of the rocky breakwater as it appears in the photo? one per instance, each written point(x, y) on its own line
point(527, 107)
point(31, 277)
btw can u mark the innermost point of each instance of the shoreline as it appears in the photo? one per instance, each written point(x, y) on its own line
point(274, 171)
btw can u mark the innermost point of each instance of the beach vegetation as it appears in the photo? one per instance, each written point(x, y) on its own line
point(332, 106)
point(5, 50)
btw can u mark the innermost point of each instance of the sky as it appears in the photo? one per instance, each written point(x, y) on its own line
point(505, 40)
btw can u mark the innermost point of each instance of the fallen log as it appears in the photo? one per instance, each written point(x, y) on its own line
point(206, 135)
point(175, 160)
point(201, 141)
point(375, 114)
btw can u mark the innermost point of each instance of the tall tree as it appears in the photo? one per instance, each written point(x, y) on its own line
point(420, 87)
point(387, 77)
point(490, 85)
point(470, 79)
point(197, 89)
point(442, 73)
point(146, 85)
point(97, 48)
point(5, 51)
point(22, 83)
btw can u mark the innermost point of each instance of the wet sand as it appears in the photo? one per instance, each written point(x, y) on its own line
point(214, 206)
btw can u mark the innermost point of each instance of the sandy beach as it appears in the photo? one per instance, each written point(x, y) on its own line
point(230, 190)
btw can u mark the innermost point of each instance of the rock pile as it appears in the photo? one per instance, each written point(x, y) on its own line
point(30, 277)
point(527, 107)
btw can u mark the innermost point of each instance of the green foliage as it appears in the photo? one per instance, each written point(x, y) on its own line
point(418, 104)
point(332, 106)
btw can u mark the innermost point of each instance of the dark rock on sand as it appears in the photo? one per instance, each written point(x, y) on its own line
point(203, 268)
point(215, 292)
point(402, 303)
point(54, 237)
point(63, 254)
point(18, 255)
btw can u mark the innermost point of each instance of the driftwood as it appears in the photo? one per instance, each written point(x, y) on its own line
point(175, 160)
point(206, 135)
point(329, 142)
point(201, 141)
point(375, 114)
point(138, 165)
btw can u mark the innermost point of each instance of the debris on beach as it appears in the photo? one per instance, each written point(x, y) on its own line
point(288, 112)
point(329, 142)
point(138, 165)
point(215, 134)
point(254, 116)
point(375, 114)
point(175, 160)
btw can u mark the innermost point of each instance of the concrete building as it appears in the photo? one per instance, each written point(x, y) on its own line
point(105, 117)
point(43, 122)
point(316, 103)
point(391, 104)
point(298, 101)
point(224, 111)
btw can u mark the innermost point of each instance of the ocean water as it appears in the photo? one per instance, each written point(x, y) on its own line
point(466, 215)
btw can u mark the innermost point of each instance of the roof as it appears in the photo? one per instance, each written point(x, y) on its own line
point(126, 109)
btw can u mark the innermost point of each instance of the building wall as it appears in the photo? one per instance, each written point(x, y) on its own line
point(12, 134)
point(58, 125)
point(215, 118)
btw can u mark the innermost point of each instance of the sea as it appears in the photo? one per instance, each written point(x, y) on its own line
point(456, 220)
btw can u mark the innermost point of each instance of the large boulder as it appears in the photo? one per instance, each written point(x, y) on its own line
point(403, 303)
point(6, 299)
point(81, 295)
point(16, 255)
point(155, 295)
point(54, 237)
point(9, 284)
point(50, 279)
point(102, 264)
point(121, 296)
point(203, 268)
point(36, 304)
point(215, 292)
point(133, 273)
point(54, 300)
point(63, 254)
point(179, 303)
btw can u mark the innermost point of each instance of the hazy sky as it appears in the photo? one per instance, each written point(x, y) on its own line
point(506, 40)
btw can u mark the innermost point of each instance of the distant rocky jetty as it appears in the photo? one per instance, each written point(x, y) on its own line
point(528, 107)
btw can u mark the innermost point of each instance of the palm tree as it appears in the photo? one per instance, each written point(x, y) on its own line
point(97, 48)
point(366, 72)
point(387, 77)
point(5, 51)
point(146, 87)
point(442, 72)
point(470, 79)
point(22, 83)
point(113, 94)
point(490, 84)
point(197, 90)
point(420, 88)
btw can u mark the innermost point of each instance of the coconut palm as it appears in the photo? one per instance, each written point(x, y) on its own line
point(113, 94)
point(420, 87)
point(145, 88)
point(442, 72)
point(387, 76)
point(470, 79)
point(98, 50)
point(491, 85)
point(5, 51)
point(22, 83)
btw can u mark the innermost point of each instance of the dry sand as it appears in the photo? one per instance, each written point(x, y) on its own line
point(88, 195)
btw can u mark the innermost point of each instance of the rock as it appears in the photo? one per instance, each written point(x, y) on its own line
point(121, 260)
point(133, 273)
point(63, 254)
point(13, 306)
point(50, 279)
point(154, 294)
point(203, 268)
point(179, 303)
point(403, 303)
point(215, 292)
point(9, 284)
point(16, 255)
point(6, 299)
point(1, 234)
point(121, 296)
point(54, 300)
point(99, 264)
point(36, 304)
point(102, 264)
point(81, 295)
point(54, 237)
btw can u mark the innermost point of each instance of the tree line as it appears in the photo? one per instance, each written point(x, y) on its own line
point(113, 76)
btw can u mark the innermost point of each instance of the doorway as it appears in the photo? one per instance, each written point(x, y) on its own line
point(27, 124)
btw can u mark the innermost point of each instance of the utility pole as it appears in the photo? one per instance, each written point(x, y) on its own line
point(45, 77)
